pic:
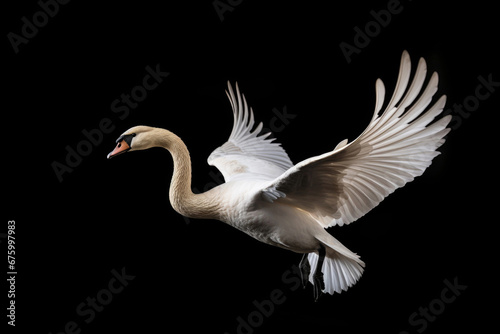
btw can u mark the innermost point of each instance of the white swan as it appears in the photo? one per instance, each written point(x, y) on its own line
point(289, 206)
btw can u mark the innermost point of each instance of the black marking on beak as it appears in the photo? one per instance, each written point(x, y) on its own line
point(127, 138)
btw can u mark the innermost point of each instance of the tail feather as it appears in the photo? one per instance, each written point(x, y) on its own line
point(340, 270)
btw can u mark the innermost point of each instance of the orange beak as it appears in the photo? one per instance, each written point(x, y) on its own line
point(120, 148)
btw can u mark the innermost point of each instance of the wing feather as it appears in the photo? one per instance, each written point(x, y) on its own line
point(341, 186)
point(247, 154)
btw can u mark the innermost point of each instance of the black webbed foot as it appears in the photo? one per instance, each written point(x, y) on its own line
point(319, 285)
point(305, 270)
point(318, 279)
point(319, 282)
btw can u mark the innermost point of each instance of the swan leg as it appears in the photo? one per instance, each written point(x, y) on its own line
point(319, 282)
point(305, 269)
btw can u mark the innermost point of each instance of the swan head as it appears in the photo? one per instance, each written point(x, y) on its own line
point(135, 139)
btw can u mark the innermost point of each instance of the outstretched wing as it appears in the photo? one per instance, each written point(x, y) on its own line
point(246, 154)
point(339, 187)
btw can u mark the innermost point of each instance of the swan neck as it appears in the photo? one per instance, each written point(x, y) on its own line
point(183, 200)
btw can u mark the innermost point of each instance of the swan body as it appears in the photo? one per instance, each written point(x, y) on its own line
point(290, 206)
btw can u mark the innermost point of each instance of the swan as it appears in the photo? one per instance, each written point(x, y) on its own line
point(290, 206)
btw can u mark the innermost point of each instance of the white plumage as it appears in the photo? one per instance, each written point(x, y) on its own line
point(340, 186)
point(289, 206)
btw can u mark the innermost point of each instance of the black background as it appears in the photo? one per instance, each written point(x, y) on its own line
point(196, 276)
